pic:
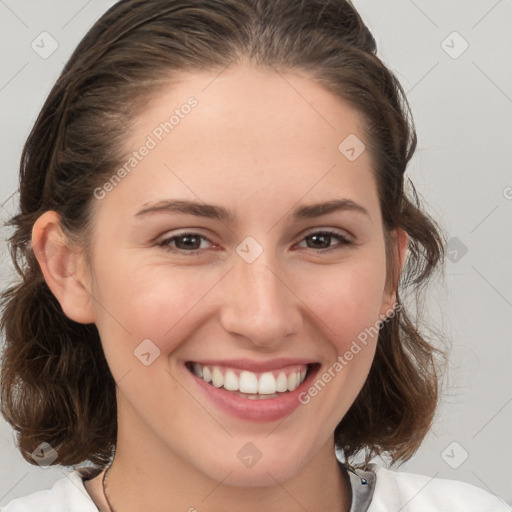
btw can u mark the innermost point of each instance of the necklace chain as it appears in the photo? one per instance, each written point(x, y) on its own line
point(104, 484)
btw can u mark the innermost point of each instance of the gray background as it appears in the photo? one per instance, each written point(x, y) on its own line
point(462, 104)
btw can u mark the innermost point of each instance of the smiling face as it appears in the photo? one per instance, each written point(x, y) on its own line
point(259, 282)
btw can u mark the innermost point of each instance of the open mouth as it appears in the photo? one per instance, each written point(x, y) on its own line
point(253, 385)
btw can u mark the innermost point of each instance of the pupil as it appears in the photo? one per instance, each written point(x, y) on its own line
point(319, 237)
point(188, 239)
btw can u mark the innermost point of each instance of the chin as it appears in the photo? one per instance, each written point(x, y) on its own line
point(262, 476)
point(280, 466)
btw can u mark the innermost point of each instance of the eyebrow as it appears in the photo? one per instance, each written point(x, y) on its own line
point(219, 212)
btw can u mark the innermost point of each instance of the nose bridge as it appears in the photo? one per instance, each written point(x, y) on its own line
point(258, 303)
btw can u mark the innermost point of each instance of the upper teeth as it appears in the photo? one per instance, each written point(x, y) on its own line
point(267, 383)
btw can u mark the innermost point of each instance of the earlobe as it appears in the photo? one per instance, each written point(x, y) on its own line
point(60, 267)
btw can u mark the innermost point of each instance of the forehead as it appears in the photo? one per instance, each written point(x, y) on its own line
point(248, 133)
point(251, 103)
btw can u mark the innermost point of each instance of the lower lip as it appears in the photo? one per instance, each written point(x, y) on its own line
point(268, 409)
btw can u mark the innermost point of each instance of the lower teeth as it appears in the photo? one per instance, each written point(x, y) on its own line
point(254, 397)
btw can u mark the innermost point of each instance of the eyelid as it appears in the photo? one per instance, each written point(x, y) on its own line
point(336, 231)
point(180, 232)
point(161, 241)
point(344, 240)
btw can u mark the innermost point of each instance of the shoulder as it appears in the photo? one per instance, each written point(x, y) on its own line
point(67, 495)
point(410, 492)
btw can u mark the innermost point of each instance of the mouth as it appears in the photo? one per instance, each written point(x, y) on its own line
point(253, 385)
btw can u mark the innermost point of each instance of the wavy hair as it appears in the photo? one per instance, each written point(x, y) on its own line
point(56, 386)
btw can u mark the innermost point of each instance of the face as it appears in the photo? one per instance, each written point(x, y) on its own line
point(259, 291)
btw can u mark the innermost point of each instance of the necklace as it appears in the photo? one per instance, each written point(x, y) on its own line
point(104, 485)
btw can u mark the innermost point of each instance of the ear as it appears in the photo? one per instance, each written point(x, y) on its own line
point(399, 242)
point(62, 268)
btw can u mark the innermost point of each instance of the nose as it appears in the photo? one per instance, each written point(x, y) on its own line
point(258, 302)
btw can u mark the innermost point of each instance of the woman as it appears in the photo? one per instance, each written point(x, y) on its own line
point(212, 235)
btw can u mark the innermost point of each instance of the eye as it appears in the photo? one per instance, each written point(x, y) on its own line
point(191, 243)
point(321, 240)
point(185, 242)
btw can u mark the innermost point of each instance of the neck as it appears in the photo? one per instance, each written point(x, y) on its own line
point(149, 476)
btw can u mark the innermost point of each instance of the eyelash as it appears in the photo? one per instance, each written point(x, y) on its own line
point(344, 242)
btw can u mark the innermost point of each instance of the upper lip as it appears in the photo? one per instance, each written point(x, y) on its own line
point(253, 365)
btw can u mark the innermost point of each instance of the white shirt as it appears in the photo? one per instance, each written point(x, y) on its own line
point(385, 491)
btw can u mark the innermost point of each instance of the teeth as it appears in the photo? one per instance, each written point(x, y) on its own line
point(231, 381)
point(257, 397)
point(282, 382)
point(292, 379)
point(248, 382)
point(267, 384)
point(207, 375)
point(252, 384)
point(197, 370)
point(217, 378)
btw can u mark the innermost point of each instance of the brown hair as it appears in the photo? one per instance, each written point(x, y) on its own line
point(56, 386)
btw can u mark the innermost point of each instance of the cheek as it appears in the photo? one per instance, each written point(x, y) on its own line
point(134, 302)
point(346, 303)
point(346, 299)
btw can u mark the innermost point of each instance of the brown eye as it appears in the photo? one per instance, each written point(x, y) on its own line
point(185, 242)
point(321, 240)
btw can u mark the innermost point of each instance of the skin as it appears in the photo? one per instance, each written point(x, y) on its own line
point(258, 147)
